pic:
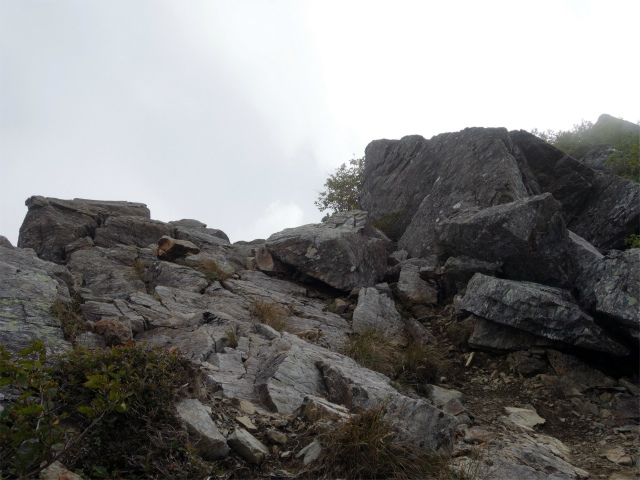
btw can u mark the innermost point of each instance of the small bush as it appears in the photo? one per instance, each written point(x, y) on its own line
point(140, 270)
point(367, 446)
point(372, 350)
point(390, 224)
point(70, 318)
point(271, 314)
point(121, 399)
point(632, 241)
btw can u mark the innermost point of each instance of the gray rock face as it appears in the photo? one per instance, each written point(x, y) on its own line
point(209, 441)
point(412, 289)
point(612, 289)
point(457, 271)
point(528, 236)
point(199, 232)
point(495, 336)
point(51, 223)
point(4, 241)
point(130, 230)
point(418, 183)
point(27, 291)
point(377, 311)
point(601, 207)
point(344, 252)
point(108, 272)
point(426, 181)
point(543, 311)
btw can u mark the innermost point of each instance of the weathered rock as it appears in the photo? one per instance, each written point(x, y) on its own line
point(264, 261)
point(316, 409)
point(601, 207)
point(276, 437)
point(524, 417)
point(457, 271)
point(611, 287)
point(528, 236)
point(543, 311)
point(376, 311)
point(421, 182)
point(169, 274)
point(107, 272)
point(439, 396)
point(210, 443)
point(130, 230)
point(495, 336)
point(247, 446)
point(4, 242)
point(172, 249)
point(310, 453)
point(618, 455)
point(412, 289)
point(198, 234)
point(51, 223)
point(28, 289)
point(345, 251)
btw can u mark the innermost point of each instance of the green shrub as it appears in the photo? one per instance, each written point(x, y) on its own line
point(117, 403)
point(420, 364)
point(633, 241)
point(390, 224)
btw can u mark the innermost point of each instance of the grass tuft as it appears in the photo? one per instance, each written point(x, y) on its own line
point(271, 314)
point(367, 446)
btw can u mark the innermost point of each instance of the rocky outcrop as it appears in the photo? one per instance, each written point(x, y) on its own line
point(345, 251)
point(418, 183)
point(377, 311)
point(51, 223)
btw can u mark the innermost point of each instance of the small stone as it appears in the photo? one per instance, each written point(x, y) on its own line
point(247, 446)
point(57, 471)
point(246, 407)
point(311, 452)
point(275, 436)
point(246, 423)
point(619, 456)
point(524, 417)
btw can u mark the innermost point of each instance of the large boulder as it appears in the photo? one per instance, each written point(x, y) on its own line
point(538, 309)
point(29, 288)
point(599, 206)
point(51, 223)
point(345, 251)
point(421, 182)
point(528, 236)
point(377, 311)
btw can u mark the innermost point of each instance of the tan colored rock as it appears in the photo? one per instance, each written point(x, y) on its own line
point(246, 407)
point(524, 417)
point(171, 249)
point(57, 471)
point(263, 259)
point(246, 423)
point(114, 332)
point(619, 456)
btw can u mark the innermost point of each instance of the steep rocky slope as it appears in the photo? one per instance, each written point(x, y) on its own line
point(504, 272)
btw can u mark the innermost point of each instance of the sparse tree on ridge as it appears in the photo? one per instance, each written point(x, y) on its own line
point(342, 188)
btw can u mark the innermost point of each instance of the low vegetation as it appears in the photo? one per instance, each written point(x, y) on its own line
point(110, 413)
point(368, 446)
point(272, 314)
point(633, 241)
point(624, 161)
point(70, 318)
point(412, 366)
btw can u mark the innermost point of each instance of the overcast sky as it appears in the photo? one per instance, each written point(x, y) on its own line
point(233, 112)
